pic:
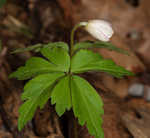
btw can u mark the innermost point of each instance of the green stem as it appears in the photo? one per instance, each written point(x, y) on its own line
point(72, 39)
point(71, 54)
point(72, 36)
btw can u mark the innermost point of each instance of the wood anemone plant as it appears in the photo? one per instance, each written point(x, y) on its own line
point(56, 77)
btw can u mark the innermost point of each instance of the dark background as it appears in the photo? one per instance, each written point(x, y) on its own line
point(126, 101)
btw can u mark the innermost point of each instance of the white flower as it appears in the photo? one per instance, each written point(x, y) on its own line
point(100, 29)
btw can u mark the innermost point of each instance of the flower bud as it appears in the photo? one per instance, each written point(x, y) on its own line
point(100, 29)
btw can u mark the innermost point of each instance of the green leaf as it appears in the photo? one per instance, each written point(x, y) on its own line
point(38, 84)
point(103, 65)
point(2, 2)
point(109, 67)
point(26, 112)
point(45, 96)
point(35, 94)
point(61, 95)
point(87, 106)
point(83, 58)
point(83, 45)
point(99, 44)
point(33, 67)
point(29, 48)
point(58, 57)
point(58, 45)
point(38, 47)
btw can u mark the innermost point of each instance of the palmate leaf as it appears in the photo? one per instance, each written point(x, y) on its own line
point(38, 47)
point(83, 58)
point(36, 65)
point(36, 93)
point(73, 91)
point(87, 106)
point(54, 78)
point(62, 45)
point(33, 67)
point(61, 95)
point(99, 44)
point(103, 65)
point(58, 57)
point(29, 48)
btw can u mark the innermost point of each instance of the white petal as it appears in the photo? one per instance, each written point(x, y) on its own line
point(100, 29)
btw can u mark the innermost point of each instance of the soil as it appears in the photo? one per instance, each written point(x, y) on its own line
point(46, 21)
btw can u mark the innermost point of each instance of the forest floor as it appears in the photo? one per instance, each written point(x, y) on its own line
point(126, 101)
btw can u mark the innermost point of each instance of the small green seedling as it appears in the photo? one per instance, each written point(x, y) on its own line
point(56, 77)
